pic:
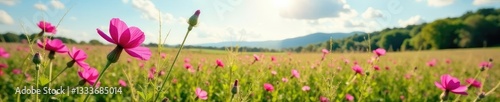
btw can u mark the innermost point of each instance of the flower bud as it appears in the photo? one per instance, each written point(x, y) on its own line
point(37, 59)
point(235, 87)
point(491, 59)
point(70, 64)
point(193, 20)
point(52, 55)
point(114, 55)
point(82, 82)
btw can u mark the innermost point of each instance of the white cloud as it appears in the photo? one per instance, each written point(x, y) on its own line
point(125, 1)
point(149, 10)
point(57, 4)
point(372, 13)
point(412, 21)
point(439, 3)
point(306, 9)
point(483, 2)
point(419, 0)
point(5, 18)
point(41, 7)
point(9, 2)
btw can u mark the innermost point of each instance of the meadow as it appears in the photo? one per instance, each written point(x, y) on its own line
point(400, 76)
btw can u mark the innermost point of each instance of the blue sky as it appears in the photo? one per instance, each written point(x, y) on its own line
point(228, 20)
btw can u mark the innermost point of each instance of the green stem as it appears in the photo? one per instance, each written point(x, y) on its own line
point(58, 75)
point(98, 78)
point(50, 71)
point(37, 80)
point(172, 65)
point(475, 76)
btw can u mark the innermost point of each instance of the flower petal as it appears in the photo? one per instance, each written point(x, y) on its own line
point(136, 37)
point(142, 53)
point(439, 86)
point(105, 36)
point(116, 28)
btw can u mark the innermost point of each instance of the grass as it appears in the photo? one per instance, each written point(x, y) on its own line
point(326, 78)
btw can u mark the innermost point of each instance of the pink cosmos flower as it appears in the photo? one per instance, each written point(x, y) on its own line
point(284, 79)
point(201, 94)
point(4, 53)
point(349, 97)
point(89, 75)
point(295, 74)
point(79, 57)
point(188, 66)
point(323, 99)
point(268, 87)
point(325, 51)
point(163, 55)
point(451, 84)
point(379, 52)
point(219, 63)
point(16, 71)
point(187, 60)
point(3, 66)
point(357, 69)
point(273, 59)
point(274, 72)
point(432, 63)
point(161, 73)
point(473, 83)
point(55, 45)
point(46, 27)
point(376, 67)
point(448, 61)
point(122, 83)
point(128, 38)
point(485, 65)
point(306, 88)
point(255, 57)
point(151, 75)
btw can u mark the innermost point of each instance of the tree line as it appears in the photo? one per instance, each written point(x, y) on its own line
point(471, 30)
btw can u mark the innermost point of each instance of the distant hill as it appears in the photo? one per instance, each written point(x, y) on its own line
point(285, 43)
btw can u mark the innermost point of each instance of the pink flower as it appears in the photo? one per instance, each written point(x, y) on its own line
point(451, 84)
point(89, 75)
point(4, 53)
point(432, 63)
point(273, 58)
point(306, 88)
point(473, 82)
point(349, 97)
point(274, 72)
point(284, 79)
point(122, 83)
point(357, 69)
point(163, 55)
point(16, 71)
point(151, 75)
point(219, 63)
point(379, 52)
point(295, 74)
point(46, 27)
point(376, 67)
point(323, 99)
point(141, 65)
point(268, 87)
point(201, 94)
point(79, 57)
point(255, 57)
point(28, 76)
point(1, 72)
point(188, 66)
point(55, 45)
point(448, 61)
point(128, 38)
point(325, 51)
point(187, 60)
point(161, 73)
point(485, 65)
point(3, 66)
point(387, 67)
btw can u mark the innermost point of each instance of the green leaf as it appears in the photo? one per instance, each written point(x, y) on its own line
point(141, 94)
point(44, 81)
